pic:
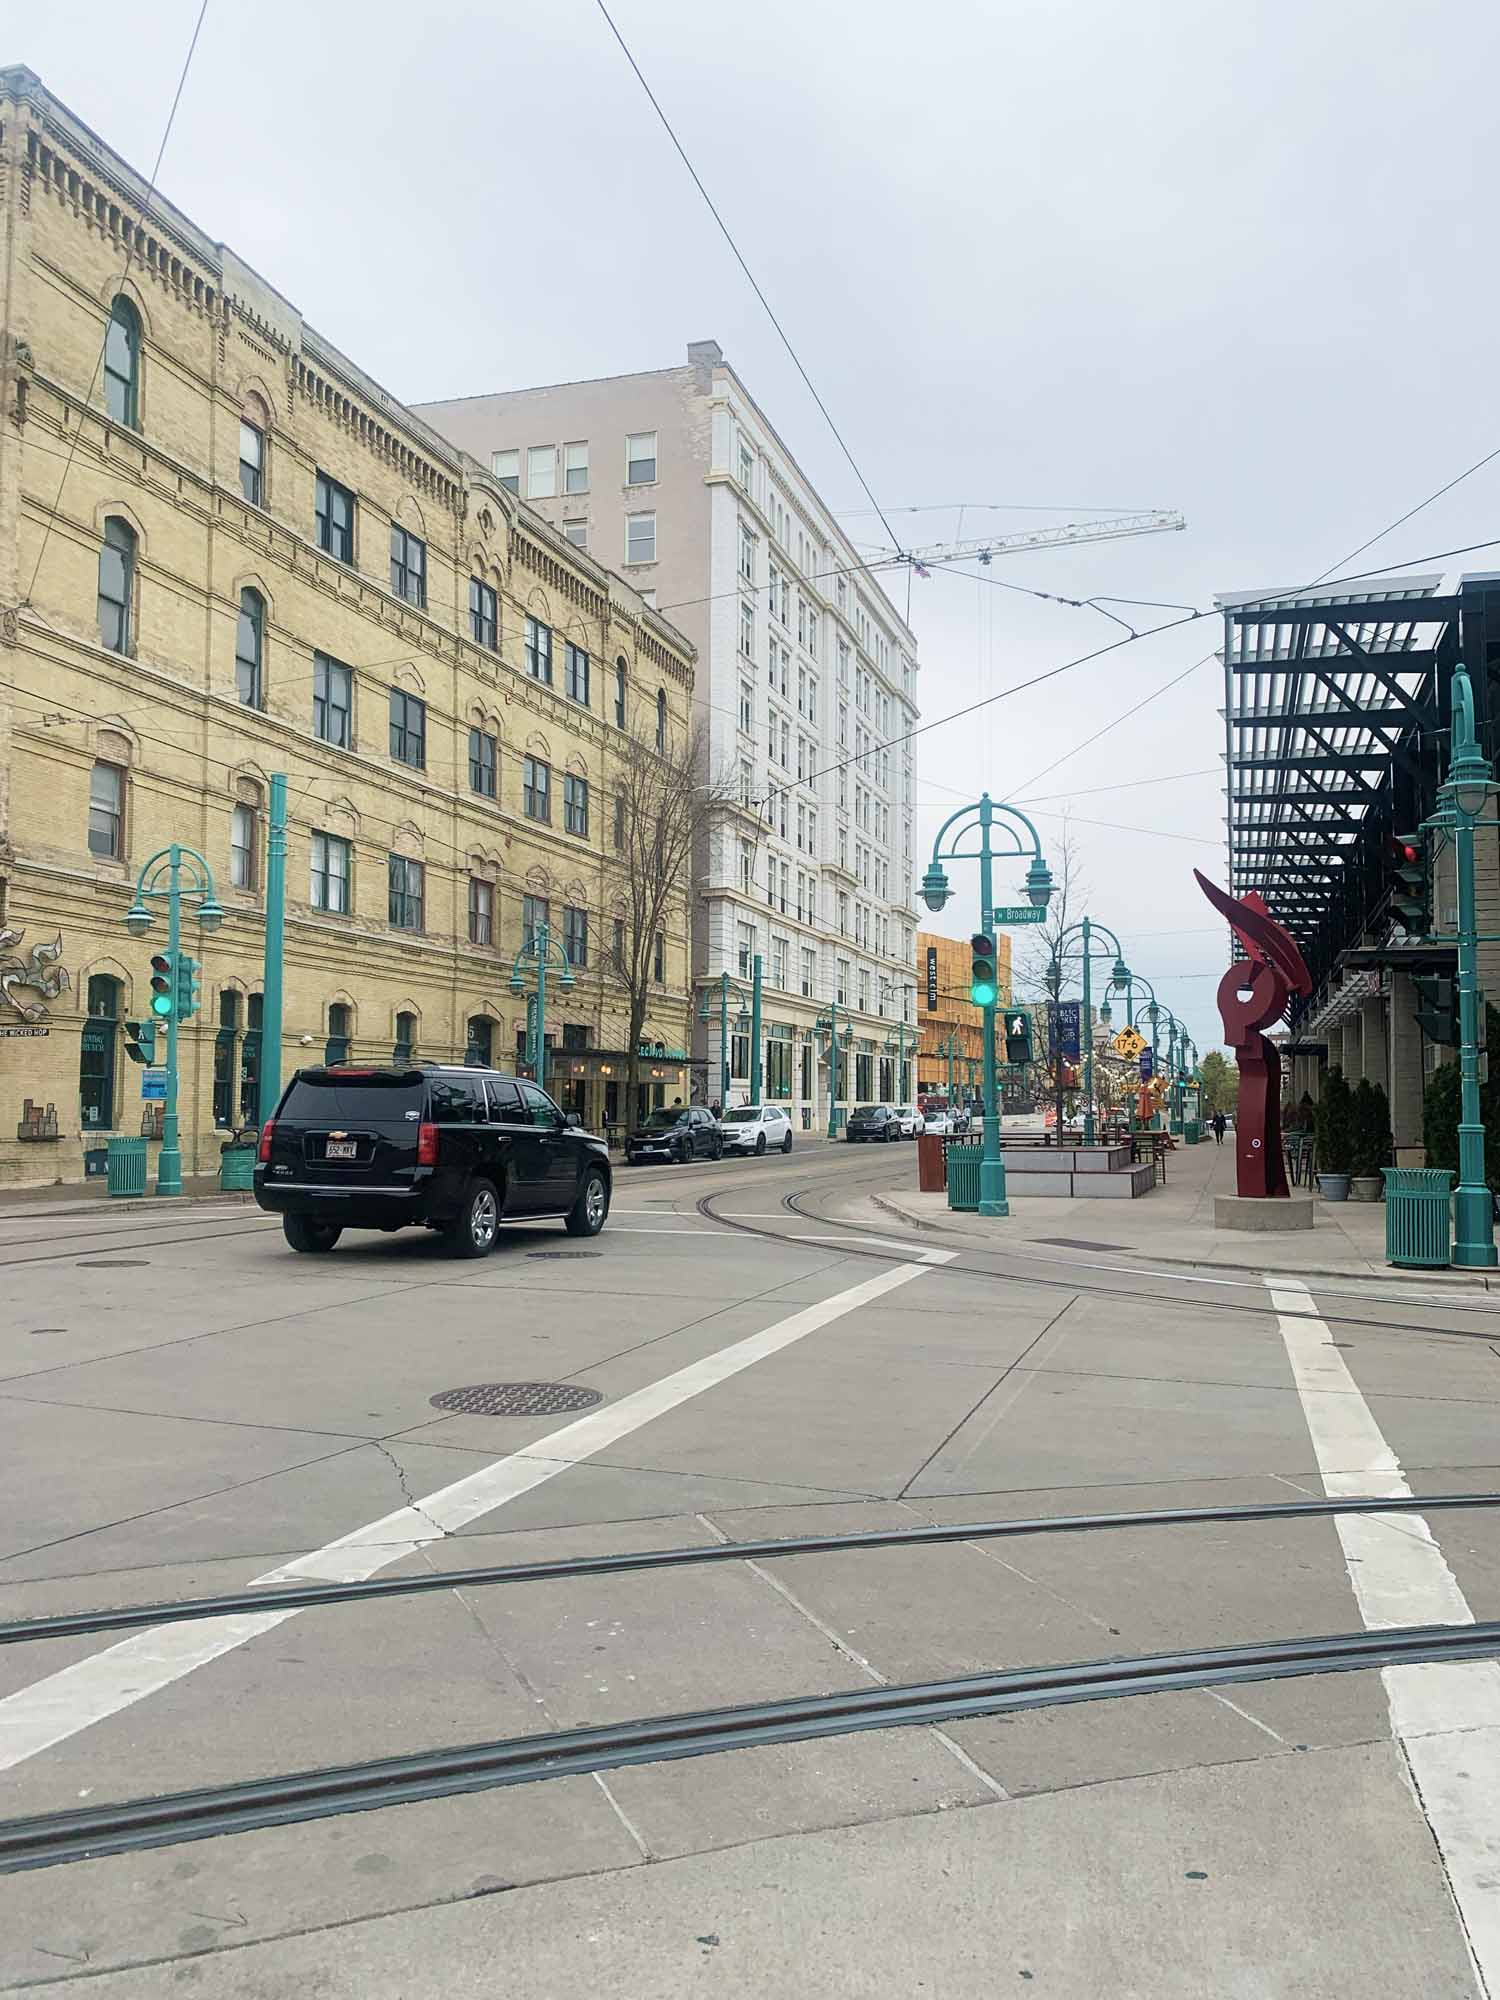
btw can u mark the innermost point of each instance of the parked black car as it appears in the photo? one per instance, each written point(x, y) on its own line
point(873, 1121)
point(457, 1149)
point(678, 1132)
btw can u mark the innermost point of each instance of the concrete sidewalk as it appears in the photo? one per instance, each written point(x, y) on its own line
point(1174, 1224)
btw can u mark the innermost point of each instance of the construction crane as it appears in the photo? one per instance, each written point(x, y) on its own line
point(1154, 521)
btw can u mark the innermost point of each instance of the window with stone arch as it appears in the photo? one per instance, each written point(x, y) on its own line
point(98, 1050)
point(122, 363)
point(661, 719)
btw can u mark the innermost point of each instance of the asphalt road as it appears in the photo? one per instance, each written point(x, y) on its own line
point(186, 1408)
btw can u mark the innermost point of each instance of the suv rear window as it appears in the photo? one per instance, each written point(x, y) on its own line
point(374, 1099)
point(457, 1100)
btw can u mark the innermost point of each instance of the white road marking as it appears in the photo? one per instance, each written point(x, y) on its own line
point(1445, 1718)
point(62, 1704)
point(631, 1229)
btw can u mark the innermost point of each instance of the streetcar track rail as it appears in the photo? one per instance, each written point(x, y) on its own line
point(297, 1597)
point(127, 1826)
point(792, 1202)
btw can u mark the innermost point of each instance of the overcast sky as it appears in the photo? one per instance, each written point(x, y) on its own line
point(1231, 260)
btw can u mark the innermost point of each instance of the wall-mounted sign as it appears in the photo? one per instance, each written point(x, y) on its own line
point(22, 1034)
point(153, 1085)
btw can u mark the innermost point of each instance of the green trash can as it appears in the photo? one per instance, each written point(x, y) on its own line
point(1192, 1131)
point(126, 1166)
point(963, 1176)
point(237, 1169)
point(1417, 1217)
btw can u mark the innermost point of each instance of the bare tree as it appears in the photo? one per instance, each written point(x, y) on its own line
point(665, 807)
point(1051, 954)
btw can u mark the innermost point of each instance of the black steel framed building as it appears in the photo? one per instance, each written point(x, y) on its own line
point(1336, 717)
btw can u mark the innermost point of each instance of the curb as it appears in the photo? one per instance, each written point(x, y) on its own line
point(1458, 1279)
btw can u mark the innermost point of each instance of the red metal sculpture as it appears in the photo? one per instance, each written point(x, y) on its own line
point(1252, 996)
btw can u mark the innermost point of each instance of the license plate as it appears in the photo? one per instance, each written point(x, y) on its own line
point(341, 1149)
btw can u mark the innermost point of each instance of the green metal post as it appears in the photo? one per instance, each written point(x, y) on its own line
point(1088, 1041)
point(724, 1041)
point(1469, 770)
point(543, 945)
point(833, 1064)
point(950, 1069)
point(755, 1028)
point(991, 1163)
point(275, 958)
point(169, 1160)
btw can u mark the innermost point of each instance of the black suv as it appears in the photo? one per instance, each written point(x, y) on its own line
point(873, 1121)
point(676, 1133)
point(459, 1150)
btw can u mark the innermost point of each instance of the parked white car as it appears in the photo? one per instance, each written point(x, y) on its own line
point(756, 1128)
point(913, 1124)
point(937, 1123)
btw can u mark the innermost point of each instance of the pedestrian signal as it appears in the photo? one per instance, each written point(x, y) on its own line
point(140, 1042)
point(1018, 1038)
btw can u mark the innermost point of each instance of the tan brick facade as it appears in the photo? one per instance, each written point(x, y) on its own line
point(955, 1015)
point(217, 344)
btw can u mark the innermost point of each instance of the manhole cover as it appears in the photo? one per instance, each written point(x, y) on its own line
point(112, 1264)
point(1076, 1243)
point(555, 1254)
point(517, 1399)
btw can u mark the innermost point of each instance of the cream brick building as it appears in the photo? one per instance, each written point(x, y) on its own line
point(234, 554)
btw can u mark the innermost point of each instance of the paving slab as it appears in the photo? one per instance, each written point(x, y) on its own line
point(1308, 1876)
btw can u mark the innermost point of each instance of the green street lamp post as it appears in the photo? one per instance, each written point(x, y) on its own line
point(543, 952)
point(982, 817)
point(827, 1026)
point(1462, 799)
point(1087, 929)
point(173, 875)
point(745, 1021)
point(268, 1080)
point(952, 1047)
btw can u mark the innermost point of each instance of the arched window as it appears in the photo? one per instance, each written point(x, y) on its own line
point(255, 421)
point(249, 649)
point(250, 1104)
point(620, 692)
point(481, 1041)
point(96, 1060)
point(116, 584)
point(242, 844)
point(339, 1024)
point(661, 718)
point(122, 364)
point(406, 1038)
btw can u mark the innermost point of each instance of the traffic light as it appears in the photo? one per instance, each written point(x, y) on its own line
point(163, 986)
point(1437, 1015)
point(186, 988)
point(140, 1042)
point(984, 976)
point(1018, 1038)
point(1411, 897)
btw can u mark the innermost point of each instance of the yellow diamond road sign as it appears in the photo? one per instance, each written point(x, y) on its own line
point(1128, 1043)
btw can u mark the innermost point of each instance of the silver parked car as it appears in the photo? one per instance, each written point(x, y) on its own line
point(756, 1128)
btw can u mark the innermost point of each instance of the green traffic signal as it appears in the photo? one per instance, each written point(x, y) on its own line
point(984, 974)
point(1437, 1007)
point(186, 987)
point(163, 986)
point(1410, 898)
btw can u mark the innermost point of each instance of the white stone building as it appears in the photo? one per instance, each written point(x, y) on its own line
point(806, 682)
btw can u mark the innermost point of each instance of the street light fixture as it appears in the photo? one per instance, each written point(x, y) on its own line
point(210, 914)
point(983, 815)
point(138, 920)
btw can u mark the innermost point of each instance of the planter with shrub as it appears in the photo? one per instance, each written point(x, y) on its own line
point(1333, 1128)
point(1370, 1141)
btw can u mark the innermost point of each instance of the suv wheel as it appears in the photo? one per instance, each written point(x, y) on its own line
point(473, 1230)
point(586, 1216)
point(305, 1234)
point(786, 1144)
point(760, 1142)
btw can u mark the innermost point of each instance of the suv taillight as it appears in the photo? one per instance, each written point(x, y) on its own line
point(427, 1142)
point(263, 1151)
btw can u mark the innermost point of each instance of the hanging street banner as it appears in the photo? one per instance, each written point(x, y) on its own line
point(932, 994)
point(1019, 913)
point(1148, 1065)
point(1063, 1028)
point(1128, 1044)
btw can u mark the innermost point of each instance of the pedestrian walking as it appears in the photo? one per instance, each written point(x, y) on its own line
point(1221, 1126)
